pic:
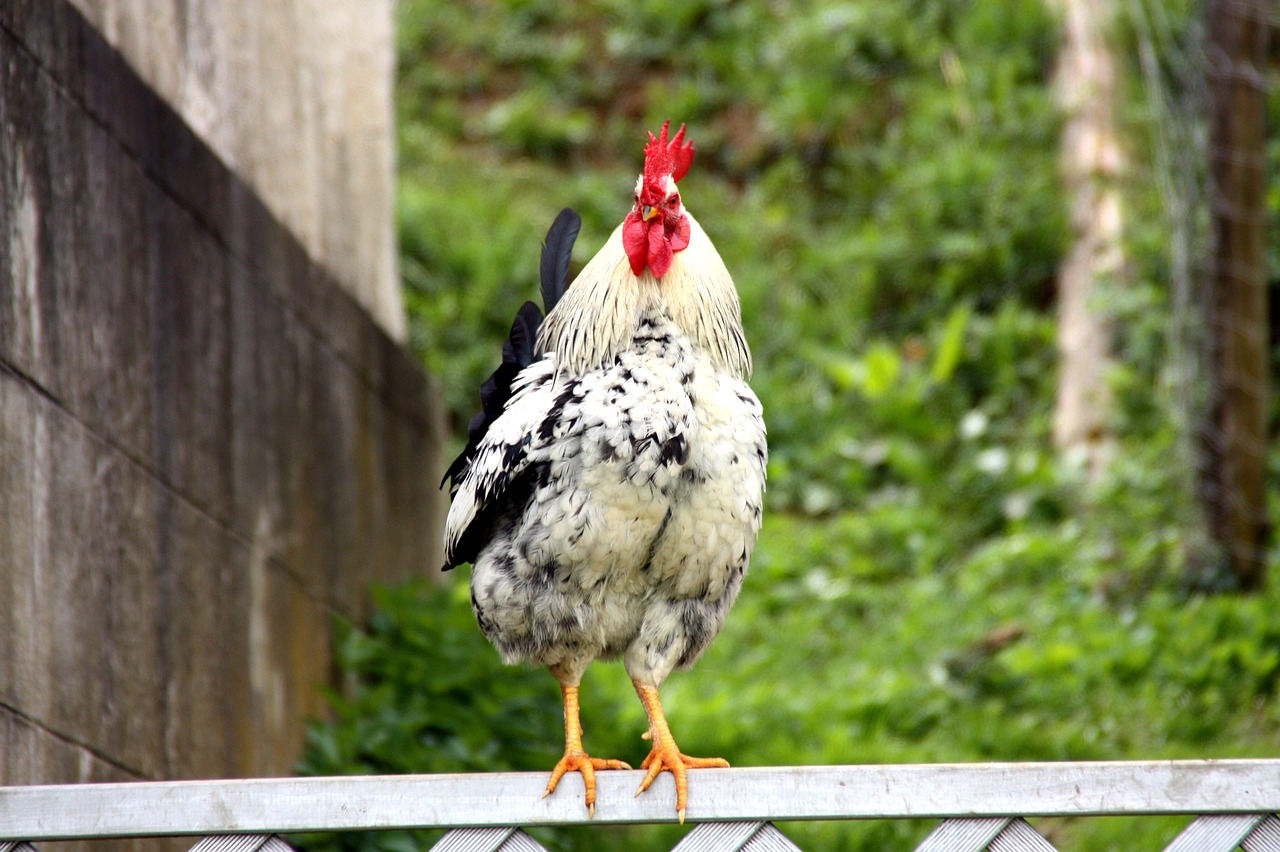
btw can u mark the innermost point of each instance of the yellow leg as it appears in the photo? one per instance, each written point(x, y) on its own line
point(665, 754)
point(575, 758)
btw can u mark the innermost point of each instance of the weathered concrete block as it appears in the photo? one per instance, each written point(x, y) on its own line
point(296, 96)
point(207, 448)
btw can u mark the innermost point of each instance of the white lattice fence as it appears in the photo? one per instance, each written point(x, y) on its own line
point(983, 806)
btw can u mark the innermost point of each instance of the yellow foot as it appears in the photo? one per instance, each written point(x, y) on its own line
point(665, 754)
point(577, 760)
point(670, 759)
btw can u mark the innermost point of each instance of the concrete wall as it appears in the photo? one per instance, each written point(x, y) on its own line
point(295, 97)
point(207, 448)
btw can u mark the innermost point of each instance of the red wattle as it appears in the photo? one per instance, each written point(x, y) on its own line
point(635, 241)
point(659, 251)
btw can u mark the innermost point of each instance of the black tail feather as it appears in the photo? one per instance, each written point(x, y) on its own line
point(556, 253)
point(524, 333)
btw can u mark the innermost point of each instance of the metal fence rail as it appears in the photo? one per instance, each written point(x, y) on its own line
point(982, 805)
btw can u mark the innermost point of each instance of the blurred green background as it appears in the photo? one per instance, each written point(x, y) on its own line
point(934, 581)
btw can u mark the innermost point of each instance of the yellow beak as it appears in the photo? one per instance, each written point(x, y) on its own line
point(648, 213)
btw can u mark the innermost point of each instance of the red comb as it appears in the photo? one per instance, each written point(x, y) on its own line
point(662, 158)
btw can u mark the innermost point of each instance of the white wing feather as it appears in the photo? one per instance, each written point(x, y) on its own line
point(506, 450)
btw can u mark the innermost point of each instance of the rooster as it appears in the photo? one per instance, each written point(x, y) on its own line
point(610, 492)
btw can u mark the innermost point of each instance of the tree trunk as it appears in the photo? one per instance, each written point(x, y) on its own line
point(1092, 163)
point(1232, 475)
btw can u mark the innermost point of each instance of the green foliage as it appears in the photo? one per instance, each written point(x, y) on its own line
point(882, 180)
point(420, 675)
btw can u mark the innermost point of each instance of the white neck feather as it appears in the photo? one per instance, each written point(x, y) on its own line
point(597, 315)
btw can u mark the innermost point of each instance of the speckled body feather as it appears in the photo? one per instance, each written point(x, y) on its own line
point(621, 487)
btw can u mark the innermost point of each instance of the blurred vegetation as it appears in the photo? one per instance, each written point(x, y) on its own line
point(882, 181)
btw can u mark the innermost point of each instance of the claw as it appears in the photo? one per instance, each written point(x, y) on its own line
point(665, 754)
point(579, 761)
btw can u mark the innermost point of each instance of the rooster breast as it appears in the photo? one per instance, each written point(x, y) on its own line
point(629, 509)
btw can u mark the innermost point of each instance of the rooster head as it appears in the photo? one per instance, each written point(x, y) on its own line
point(657, 227)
